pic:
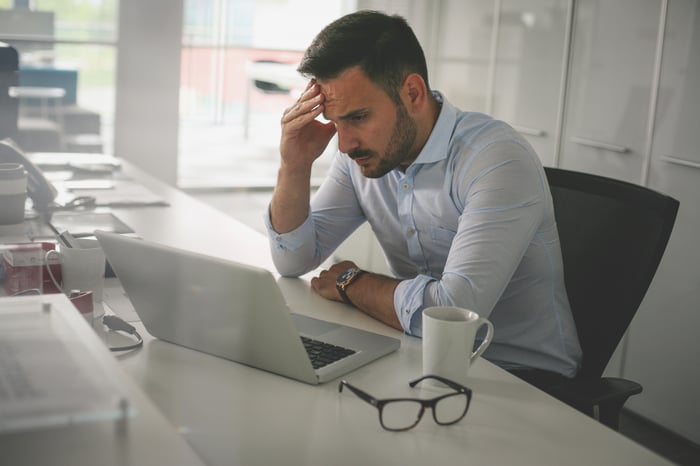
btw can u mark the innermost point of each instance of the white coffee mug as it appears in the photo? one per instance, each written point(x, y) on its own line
point(13, 193)
point(82, 268)
point(448, 341)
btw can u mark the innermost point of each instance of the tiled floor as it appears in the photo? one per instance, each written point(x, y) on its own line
point(248, 206)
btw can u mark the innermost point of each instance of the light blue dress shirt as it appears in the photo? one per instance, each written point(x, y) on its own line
point(470, 224)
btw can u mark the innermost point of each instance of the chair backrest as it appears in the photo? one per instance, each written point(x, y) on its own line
point(613, 235)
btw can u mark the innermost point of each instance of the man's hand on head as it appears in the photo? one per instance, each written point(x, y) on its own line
point(304, 138)
point(303, 141)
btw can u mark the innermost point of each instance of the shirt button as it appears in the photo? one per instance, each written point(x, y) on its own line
point(278, 238)
point(406, 186)
point(410, 231)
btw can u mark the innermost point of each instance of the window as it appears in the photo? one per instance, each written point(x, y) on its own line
point(237, 76)
point(69, 44)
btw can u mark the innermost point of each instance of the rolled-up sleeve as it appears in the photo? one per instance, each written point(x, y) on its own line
point(408, 303)
point(334, 214)
point(293, 253)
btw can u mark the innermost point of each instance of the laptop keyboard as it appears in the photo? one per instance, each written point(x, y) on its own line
point(322, 353)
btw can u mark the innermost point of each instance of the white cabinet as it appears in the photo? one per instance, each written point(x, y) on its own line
point(529, 70)
point(609, 90)
point(663, 344)
point(462, 48)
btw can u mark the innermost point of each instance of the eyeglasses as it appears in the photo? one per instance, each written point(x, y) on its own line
point(399, 414)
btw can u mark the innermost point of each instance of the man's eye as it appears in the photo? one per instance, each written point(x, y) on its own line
point(357, 118)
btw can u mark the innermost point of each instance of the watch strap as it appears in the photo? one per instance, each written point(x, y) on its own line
point(341, 289)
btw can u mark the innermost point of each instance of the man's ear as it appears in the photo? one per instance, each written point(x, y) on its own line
point(414, 93)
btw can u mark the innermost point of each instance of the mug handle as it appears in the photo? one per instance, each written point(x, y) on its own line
point(47, 258)
point(485, 342)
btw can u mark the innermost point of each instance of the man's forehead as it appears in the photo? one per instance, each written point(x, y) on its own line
point(350, 92)
point(338, 101)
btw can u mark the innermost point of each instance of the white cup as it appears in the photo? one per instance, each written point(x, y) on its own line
point(13, 193)
point(448, 341)
point(82, 269)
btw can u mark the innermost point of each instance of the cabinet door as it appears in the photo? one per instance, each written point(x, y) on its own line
point(528, 70)
point(462, 52)
point(663, 342)
point(610, 79)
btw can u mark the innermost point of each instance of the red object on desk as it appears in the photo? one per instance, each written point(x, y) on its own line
point(24, 271)
point(83, 302)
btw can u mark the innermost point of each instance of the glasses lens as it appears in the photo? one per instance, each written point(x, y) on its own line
point(451, 408)
point(400, 414)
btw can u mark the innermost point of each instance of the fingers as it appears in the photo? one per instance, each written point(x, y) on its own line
point(308, 107)
point(304, 138)
point(324, 285)
point(310, 84)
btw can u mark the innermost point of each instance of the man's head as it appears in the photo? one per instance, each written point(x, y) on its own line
point(372, 73)
point(384, 47)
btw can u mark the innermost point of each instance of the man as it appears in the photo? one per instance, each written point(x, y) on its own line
point(458, 201)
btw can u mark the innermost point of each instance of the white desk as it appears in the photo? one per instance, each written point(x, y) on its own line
point(145, 438)
point(233, 414)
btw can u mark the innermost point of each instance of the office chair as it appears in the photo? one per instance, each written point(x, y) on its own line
point(613, 235)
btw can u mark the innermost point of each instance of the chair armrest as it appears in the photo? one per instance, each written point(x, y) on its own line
point(608, 394)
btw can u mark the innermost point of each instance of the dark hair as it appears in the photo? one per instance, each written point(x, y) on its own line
point(384, 47)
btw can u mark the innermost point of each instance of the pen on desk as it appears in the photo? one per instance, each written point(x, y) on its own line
point(64, 238)
point(67, 240)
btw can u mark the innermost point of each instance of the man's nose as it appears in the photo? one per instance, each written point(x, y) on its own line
point(347, 140)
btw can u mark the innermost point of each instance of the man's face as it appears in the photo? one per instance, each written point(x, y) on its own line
point(372, 129)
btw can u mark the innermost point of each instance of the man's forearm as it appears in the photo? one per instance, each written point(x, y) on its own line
point(373, 294)
point(289, 206)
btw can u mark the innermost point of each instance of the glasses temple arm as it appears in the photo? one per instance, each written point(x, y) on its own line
point(362, 394)
point(448, 382)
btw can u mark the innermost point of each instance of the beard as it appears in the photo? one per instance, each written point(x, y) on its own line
point(397, 150)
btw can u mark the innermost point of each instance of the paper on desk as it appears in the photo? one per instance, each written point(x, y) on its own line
point(47, 375)
point(84, 223)
point(75, 160)
point(123, 193)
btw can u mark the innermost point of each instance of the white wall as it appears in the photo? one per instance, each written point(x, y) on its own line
point(148, 85)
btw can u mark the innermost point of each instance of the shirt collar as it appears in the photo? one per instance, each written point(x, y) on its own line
point(436, 147)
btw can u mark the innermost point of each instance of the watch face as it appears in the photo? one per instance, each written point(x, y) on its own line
point(347, 275)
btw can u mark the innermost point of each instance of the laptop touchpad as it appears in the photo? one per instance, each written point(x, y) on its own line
point(311, 327)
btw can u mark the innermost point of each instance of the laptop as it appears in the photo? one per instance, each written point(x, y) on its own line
point(234, 311)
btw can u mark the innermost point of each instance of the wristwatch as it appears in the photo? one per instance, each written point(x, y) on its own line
point(345, 279)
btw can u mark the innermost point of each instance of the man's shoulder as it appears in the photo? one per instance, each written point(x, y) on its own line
point(479, 130)
point(457, 130)
point(481, 123)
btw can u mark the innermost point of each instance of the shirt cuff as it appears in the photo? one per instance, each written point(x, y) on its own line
point(408, 302)
point(289, 241)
